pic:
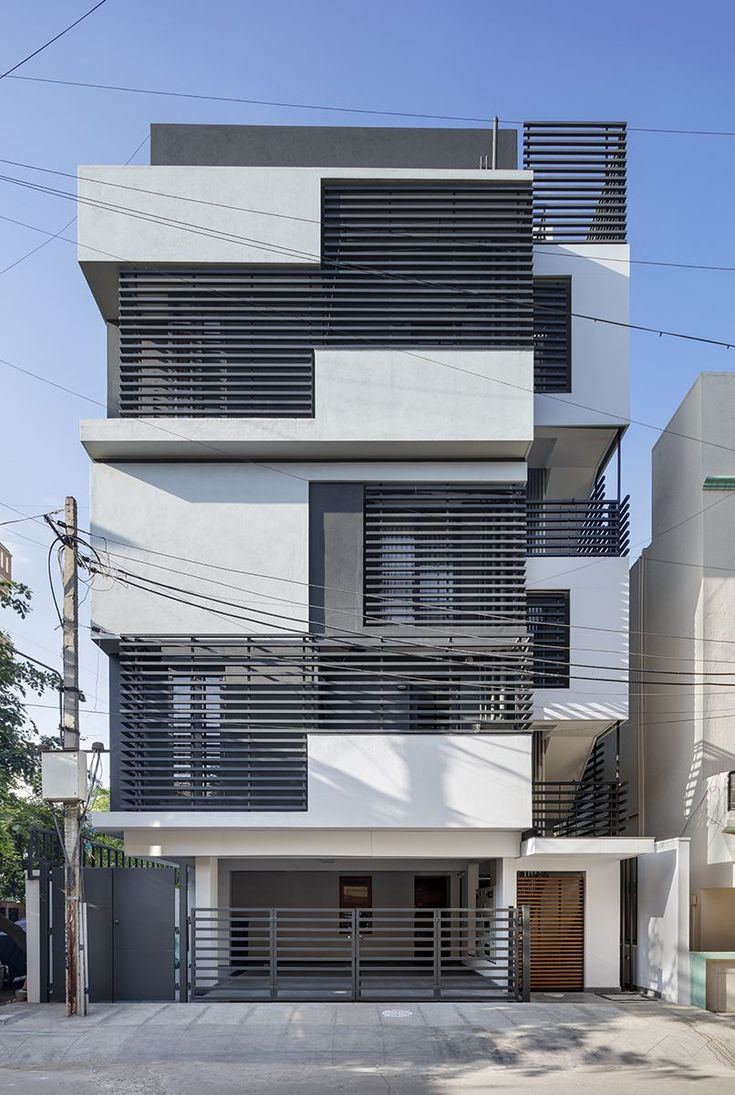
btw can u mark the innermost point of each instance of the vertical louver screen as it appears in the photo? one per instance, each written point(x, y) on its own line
point(402, 265)
point(445, 554)
point(552, 334)
point(548, 629)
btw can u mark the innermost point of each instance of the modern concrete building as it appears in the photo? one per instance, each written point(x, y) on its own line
point(680, 738)
point(358, 500)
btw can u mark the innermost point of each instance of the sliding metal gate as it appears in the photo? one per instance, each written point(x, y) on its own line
point(375, 954)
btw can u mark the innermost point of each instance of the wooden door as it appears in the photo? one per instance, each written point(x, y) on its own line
point(556, 903)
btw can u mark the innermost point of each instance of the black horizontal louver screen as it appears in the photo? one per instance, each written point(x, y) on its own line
point(185, 745)
point(579, 180)
point(552, 334)
point(221, 724)
point(402, 265)
point(444, 554)
point(218, 342)
point(548, 630)
point(428, 264)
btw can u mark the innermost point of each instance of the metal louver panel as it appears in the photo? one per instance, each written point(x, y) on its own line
point(598, 526)
point(206, 768)
point(433, 264)
point(445, 554)
point(403, 264)
point(548, 629)
point(224, 341)
point(552, 334)
point(220, 723)
point(579, 180)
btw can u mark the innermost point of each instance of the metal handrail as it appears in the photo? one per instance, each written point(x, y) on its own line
point(594, 526)
point(579, 807)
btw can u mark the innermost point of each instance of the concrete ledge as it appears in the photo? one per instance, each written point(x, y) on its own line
point(600, 848)
point(174, 839)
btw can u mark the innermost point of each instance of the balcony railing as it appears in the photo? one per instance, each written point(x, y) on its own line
point(579, 808)
point(591, 527)
point(579, 180)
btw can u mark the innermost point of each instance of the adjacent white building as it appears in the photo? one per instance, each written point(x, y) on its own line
point(358, 503)
point(680, 738)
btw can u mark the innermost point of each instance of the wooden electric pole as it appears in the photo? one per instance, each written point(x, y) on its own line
point(75, 997)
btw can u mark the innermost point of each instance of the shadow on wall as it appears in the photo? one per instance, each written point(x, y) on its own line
point(407, 785)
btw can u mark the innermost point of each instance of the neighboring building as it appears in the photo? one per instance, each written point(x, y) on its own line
point(6, 565)
point(682, 611)
point(354, 463)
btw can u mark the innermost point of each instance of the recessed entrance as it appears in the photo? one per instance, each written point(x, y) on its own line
point(431, 891)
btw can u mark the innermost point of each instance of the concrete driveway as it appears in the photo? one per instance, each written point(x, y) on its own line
point(572, 1043)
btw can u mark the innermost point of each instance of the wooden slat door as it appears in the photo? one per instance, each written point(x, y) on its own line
point(556, 903)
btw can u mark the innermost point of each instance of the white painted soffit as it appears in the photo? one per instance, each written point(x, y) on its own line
point(548, 851)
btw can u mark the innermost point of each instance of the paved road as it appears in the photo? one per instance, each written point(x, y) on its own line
point(583, 1044)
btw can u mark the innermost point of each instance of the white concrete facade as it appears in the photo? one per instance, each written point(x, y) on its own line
point(219, 507)
point(397, 781)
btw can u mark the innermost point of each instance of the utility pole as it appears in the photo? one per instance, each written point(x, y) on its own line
point(75, 996)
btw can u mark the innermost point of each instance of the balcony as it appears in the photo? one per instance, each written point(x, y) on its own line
point(579, 808)
point(596, 526)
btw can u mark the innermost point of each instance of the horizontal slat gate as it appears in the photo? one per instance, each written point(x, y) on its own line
point(375, 954)
point(556, 906)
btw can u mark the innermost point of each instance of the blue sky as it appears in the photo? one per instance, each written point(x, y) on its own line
point(654, 64)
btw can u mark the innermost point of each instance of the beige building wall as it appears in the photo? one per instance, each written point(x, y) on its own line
point(683, 598)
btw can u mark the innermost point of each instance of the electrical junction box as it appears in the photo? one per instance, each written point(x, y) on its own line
point(64, 775)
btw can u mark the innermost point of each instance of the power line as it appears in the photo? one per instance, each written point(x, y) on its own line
point(50, 42)
point(330, 640)
point(28, 658)
point(459, 651)
point(262, 594)
point(291, 252)
point(410, 353)
point(170, 222)
point(252, 102)
point(19, 520)
point(106, 539)
point(461, 637)
point(202, 230)
point(55, 707)
point(47, 380)
point(485, 120)
point(54, 235)
point(316, 220)
point(230, 458)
